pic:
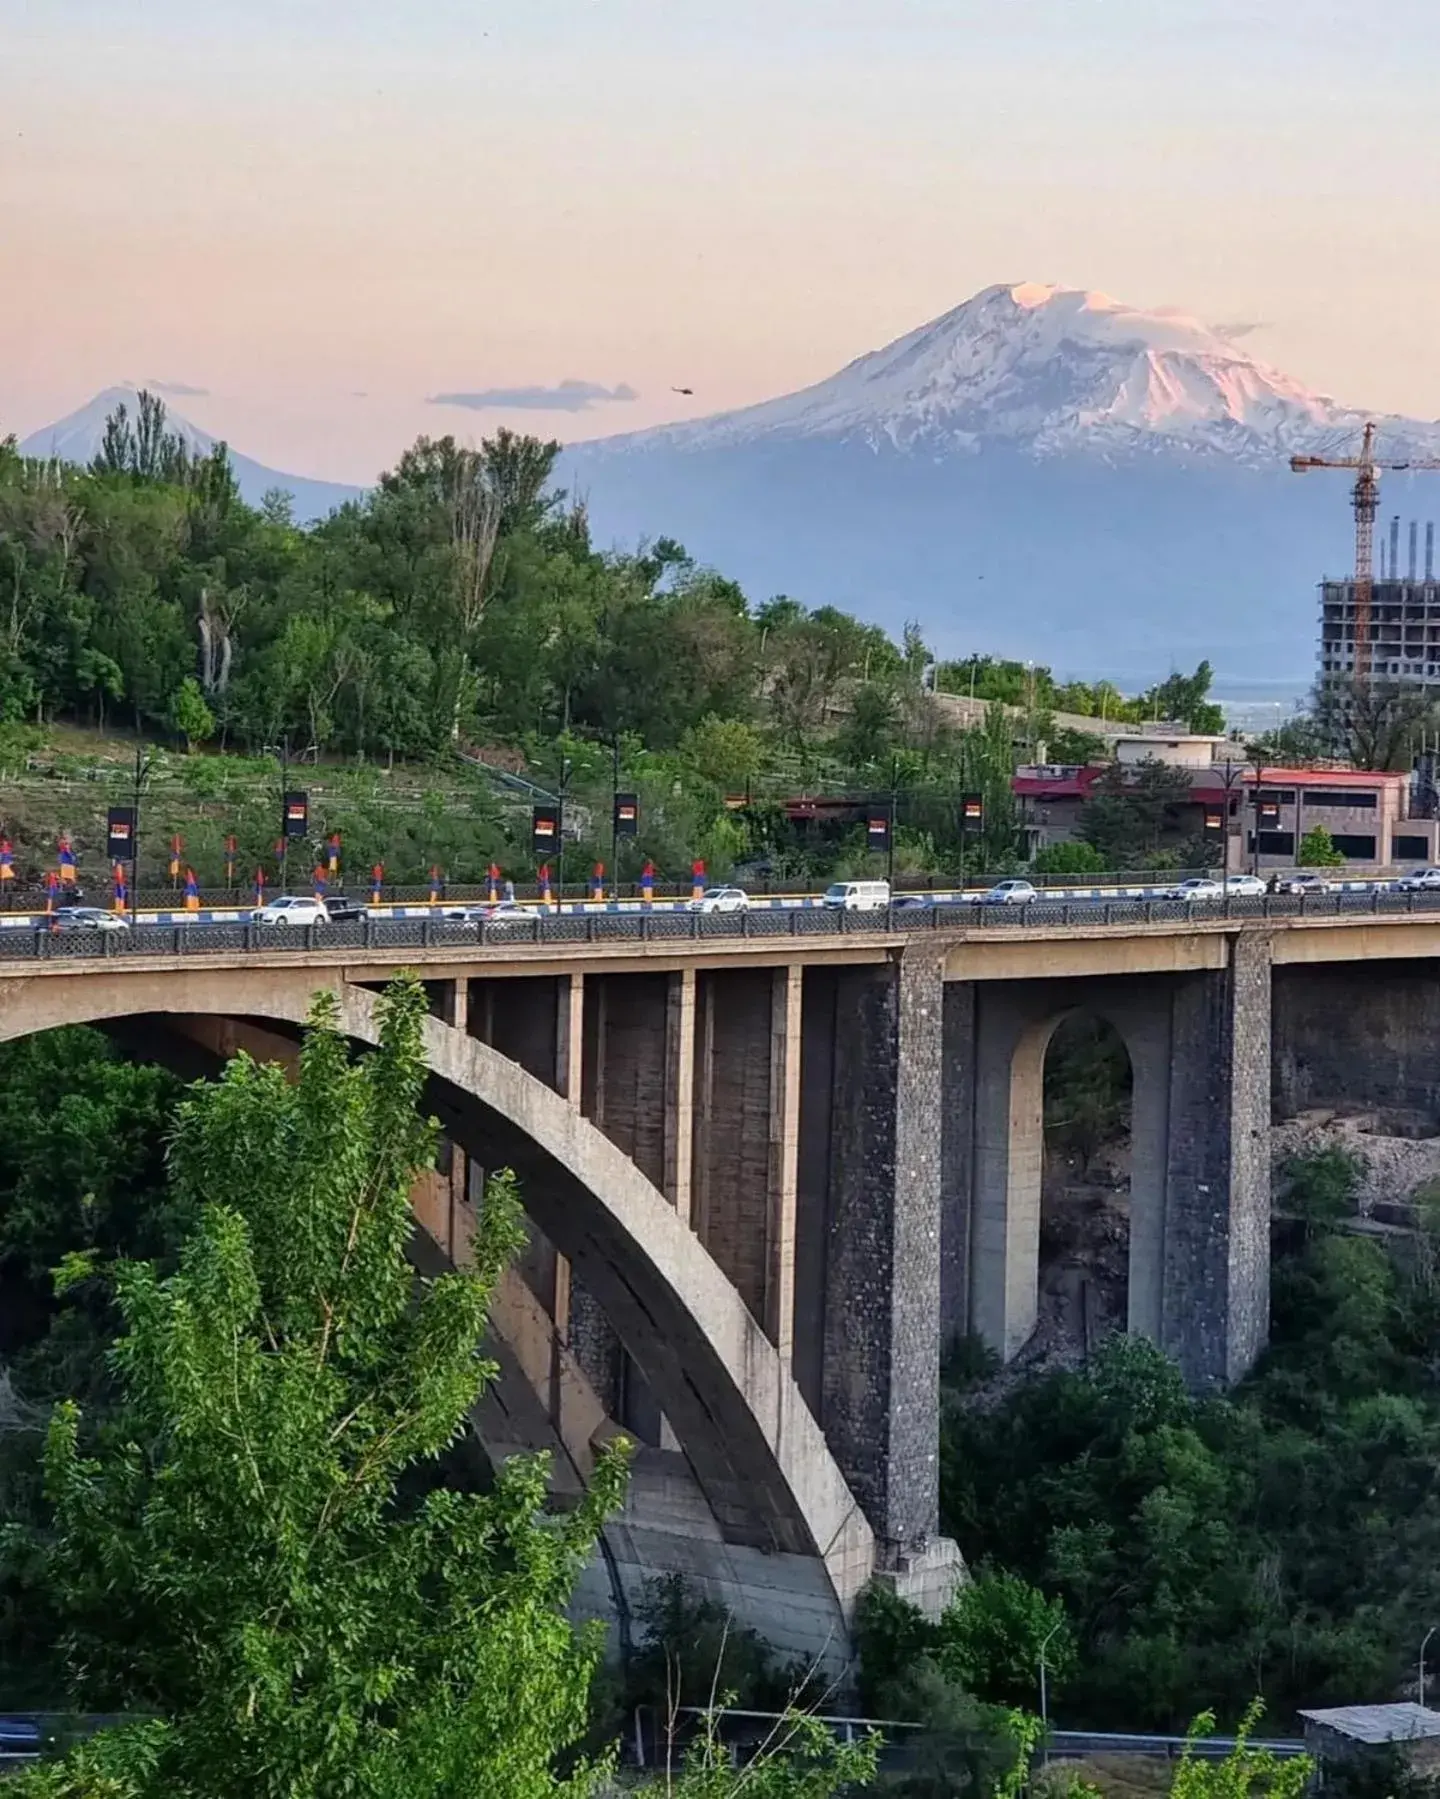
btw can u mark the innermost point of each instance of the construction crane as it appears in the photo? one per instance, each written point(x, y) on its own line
point(1365, 498)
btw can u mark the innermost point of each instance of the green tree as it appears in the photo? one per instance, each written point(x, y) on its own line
point(1317, 850)
point(994, 1633)
point(257, 1550)
point(189, 715)
point(1074, 858)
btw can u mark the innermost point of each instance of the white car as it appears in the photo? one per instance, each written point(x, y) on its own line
point(1245, 886)
point(1301, 880)
point(1419, 880)
point(89, 918)
point(1009, 893)
point(722, 899)
point(1199, 888)
point(503, 915)
point(290, 911)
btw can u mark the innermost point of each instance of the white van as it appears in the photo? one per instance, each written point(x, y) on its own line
point(857, 896)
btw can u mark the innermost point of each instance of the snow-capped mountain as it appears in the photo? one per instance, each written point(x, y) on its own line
point(78, 436)
point(1054, 371)
point(1041, 472)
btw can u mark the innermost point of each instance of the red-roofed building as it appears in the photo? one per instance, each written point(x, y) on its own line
point(1366, 813)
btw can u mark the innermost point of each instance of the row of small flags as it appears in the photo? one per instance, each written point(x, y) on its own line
point(324, 872)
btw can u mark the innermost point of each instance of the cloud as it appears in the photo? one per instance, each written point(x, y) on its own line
point(1244, 327)
point(179, 390)
point(566, 396)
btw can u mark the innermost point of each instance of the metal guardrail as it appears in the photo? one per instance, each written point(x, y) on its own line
point(41, 943)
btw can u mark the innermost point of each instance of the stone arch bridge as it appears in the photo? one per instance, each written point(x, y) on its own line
point(768, 1177)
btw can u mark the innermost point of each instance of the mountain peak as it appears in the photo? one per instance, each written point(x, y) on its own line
point(1050, 370)
point(78, 436)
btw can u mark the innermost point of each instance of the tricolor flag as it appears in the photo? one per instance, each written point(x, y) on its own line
point(177, 849)
point(597, 882)
point(320, 880)
point(7, 861)
point(229, 861)
point(436, 885)
point(494, 893)
point(192, 891)
point(377, 881)
point(334, 854)
point(544, 879)
point(120, 893)
point(67, 861)
point(647, 883)
point(259, 886)
point(697, 880)
point(52, 885)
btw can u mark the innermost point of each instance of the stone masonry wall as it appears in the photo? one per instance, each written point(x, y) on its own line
point(1357, 1035)
point(880, 1405)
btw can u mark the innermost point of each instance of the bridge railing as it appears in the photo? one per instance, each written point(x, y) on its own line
point(158, 940)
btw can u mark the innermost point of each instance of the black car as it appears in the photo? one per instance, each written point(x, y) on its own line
point(341, 909)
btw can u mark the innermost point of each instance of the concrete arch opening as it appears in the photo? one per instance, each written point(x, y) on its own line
point(767, 1475)
point(1085, 1214)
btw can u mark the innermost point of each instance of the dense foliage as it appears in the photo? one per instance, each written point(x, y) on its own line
point(463, 603)
point(1183, 699)
point(1282, 1540)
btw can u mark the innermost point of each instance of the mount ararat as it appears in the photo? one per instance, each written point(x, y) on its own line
point(1042, 473)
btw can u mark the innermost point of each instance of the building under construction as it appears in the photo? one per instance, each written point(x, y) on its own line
point(1404, 627)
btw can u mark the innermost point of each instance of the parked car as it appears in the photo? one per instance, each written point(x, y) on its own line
point(1245, 886)
point(1419, 880)
point(722, 899)
point(1009, 893)
point(1199, 888)
point(88, 918)
point(908, 901)
point(1301, 880)
point(288, 910)
point(341, 909)
point(504, 915)
point(856, 896)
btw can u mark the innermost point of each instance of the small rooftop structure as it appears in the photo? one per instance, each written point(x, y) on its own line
point(1350, 1729)
point(1179, 747)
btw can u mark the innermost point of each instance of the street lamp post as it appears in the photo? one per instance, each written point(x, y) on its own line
point(1044, 1695)
point(560, 838)
point(1424, 1644)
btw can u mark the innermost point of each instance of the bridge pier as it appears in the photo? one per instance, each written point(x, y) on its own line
point(1199, 1048)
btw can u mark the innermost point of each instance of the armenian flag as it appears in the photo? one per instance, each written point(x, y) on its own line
point(494, 893)
point(7, 861)
point(334, 854)
point(544, 878)
point(697, 879)
point(67, 861)
point(597, 882)
point(377, 881)
point(192, 891)
point(647, 883)
point(121, 895)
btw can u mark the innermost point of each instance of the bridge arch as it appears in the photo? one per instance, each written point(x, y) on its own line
point(1016, 1034)
point(754, 1446)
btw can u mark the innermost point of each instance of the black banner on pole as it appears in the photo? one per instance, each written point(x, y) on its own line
point(973, 811)
point(295, 815)
point(545, 829)
point(120, 834)
point(877, 831)
point(627, 814)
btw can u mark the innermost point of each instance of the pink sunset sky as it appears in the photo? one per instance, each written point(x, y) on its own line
point(321, 213)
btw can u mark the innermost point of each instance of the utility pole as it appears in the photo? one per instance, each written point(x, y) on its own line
point(560, 837)
point(894, 803)
point(284, 822)
point(1044, 1695)
point(615, 815)
point(142, 768)
point(1423, 1646)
